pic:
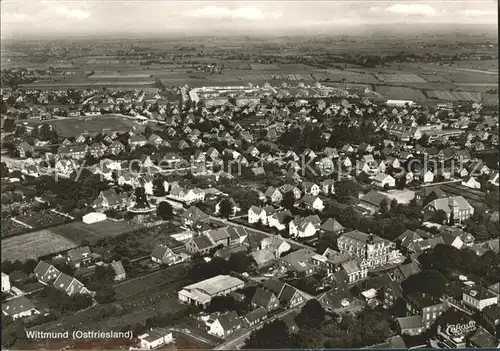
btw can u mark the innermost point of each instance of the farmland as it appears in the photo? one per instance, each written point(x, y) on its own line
point(399, 78)
point(78, 231)
point(34, 245)
point(454, 95)
point(10, 228)
point(42, 219)
point(398, 92)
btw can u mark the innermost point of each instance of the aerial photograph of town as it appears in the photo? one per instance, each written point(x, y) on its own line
point(231, 175)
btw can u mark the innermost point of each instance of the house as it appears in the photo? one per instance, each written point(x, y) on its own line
point(219, 236)
point(137, 140)
point(109, 199)
point(75, 151)
point(162, 254)
point(411, 325)
point(5, 282)
point(257, 215)
point(427, 307)
point(493, 178)
point(97, 150)
point(383, 181)
point(423, 195)
point(200, 244)
point(273, 195)
point(119, 270)
point(354, 270)
point(225, 325)
point(428, 177)
point(328, 187)
point(311, 188)
point(193, 215)
point(299, 261)
point(304, 227)
point(276, 244)
point(372, 201)
point(19, 307)
point(254, 317)
point(290, 188)
point(478, 297)
point(373, 250)
point(482, 339)
point(24, 150)
point(266, 299)
point(287, 294)
point(116, 148)
point(155, 338)
point(404, 271)
point(335, 299)
point(393, 292)
point(456, 208)
point(279, 219)
point(491, 316)
point(312, 203)
point(65, 166)
point(45, 272)
point(471, 182)
point(332, 226)
point(71, 286)
point(79, 257)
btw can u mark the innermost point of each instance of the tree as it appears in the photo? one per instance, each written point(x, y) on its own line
point(439, 217)
point(424, 140)
point(312, 315)
point(240, 262)
point(9, 125)
point(148, 131)
point(165, 210)
point(225, 208)
point(105, 294)
point(158, 187)
point(384, 205)
point(428, 281)
point(422, 120)
point(346, 189)
point(272, 335)
point(288, 200)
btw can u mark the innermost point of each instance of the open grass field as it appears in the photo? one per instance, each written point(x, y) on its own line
point(398, 92)
point(33, 245)
point(73, 127)
point(399, 78)
point(490, 99)
point(78, 231)
point(454, 95)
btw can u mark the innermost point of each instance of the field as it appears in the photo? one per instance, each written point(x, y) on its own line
point(33, 245)
point(78, 231)
point(73, 127)
point(454, 95)
point(42, 219)
point(9, 228)
point(399, 78)
point(397, 92)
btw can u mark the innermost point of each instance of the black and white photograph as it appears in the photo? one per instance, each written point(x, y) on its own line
point(249, 175)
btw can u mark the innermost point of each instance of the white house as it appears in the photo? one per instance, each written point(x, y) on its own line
point(155, 338)
point(304, 227)
point(311, 188)
point(225, 325)
point(5, 282)
point(471, 182)
point(256, 214)
point(65, 167)
point(479, 297)
point(312, 203)
point(19, 307)
point(278, 219)
point(383, 180)
point(428, 177)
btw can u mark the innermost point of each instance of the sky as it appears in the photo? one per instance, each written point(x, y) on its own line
point(69, 18)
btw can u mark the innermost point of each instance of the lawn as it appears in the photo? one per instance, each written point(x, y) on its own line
point(34, 245)
point(78, 231)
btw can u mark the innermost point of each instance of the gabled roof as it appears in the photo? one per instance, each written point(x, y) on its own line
point(17, 305)
point(410, 322)
point(262, 297)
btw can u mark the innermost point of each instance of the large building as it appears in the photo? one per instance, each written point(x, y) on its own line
point(373, 250)
point(201, 293)
point(455, 207)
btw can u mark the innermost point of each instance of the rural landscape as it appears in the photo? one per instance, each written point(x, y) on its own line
point(255, 177)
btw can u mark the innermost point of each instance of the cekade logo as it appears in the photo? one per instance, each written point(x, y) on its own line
point(460, 329)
